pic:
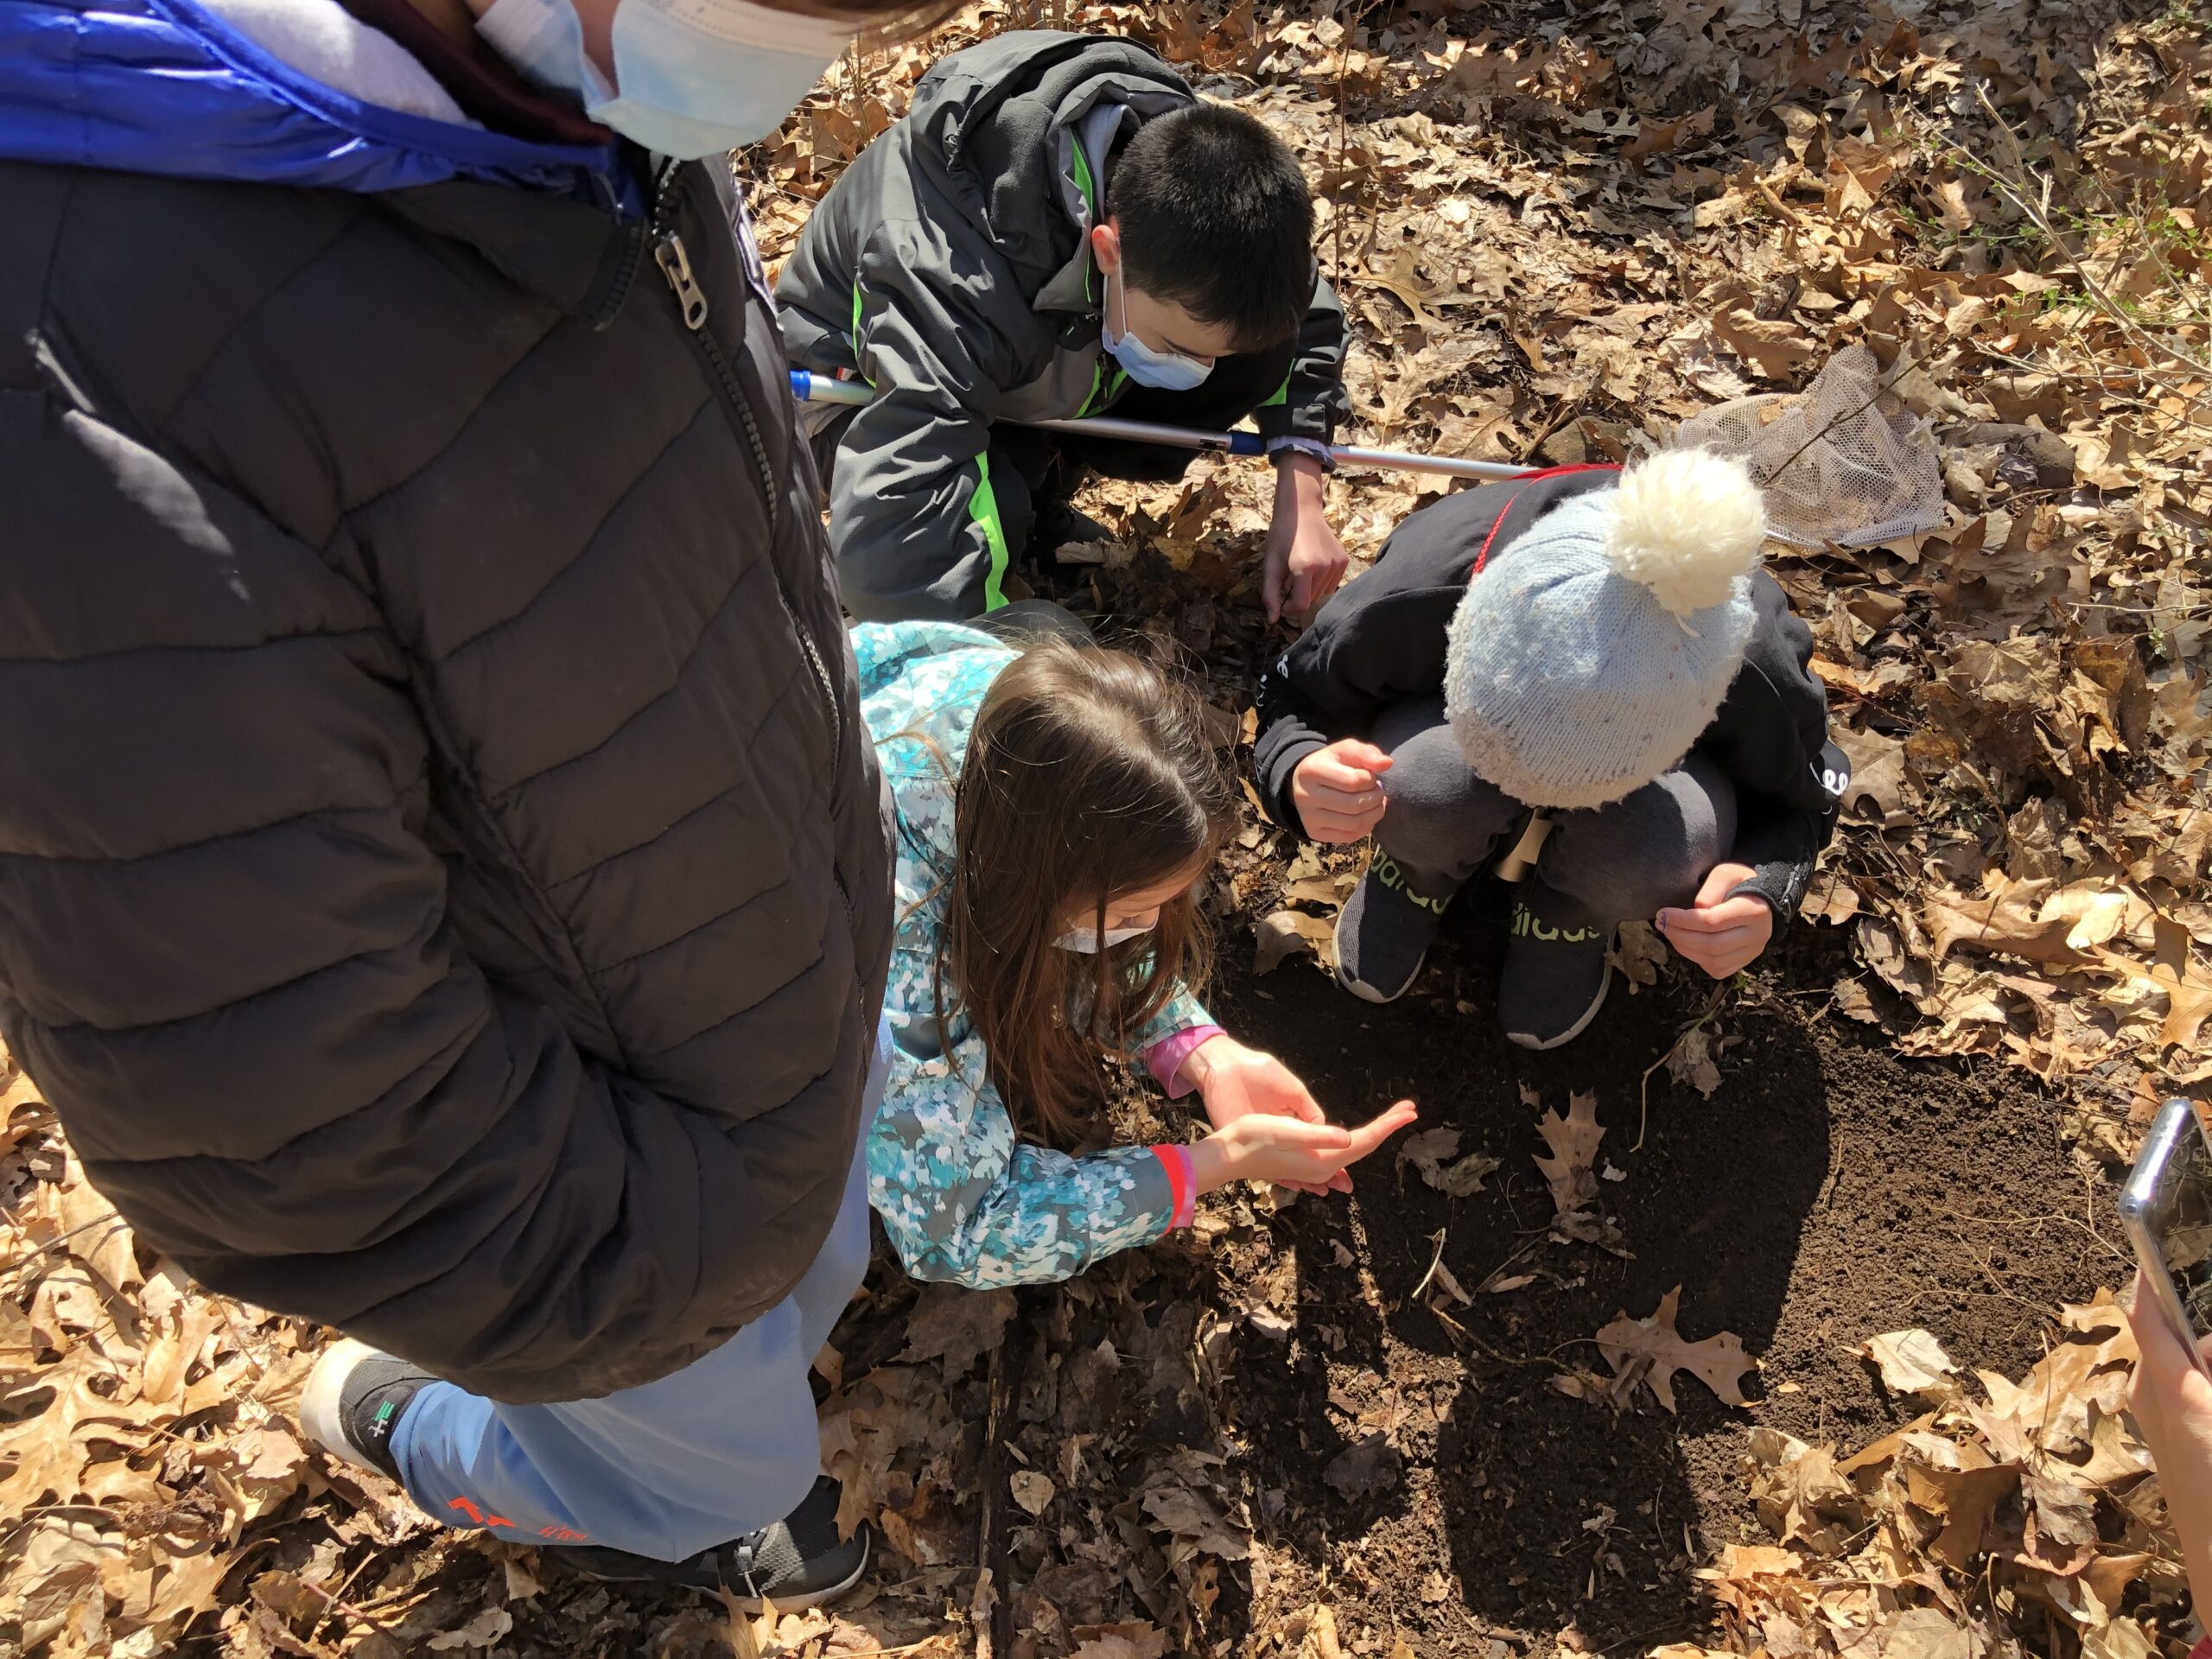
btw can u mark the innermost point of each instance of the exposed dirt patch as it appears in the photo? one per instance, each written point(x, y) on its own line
point(1426, 1464)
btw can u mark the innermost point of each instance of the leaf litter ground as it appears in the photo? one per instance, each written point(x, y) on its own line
point(1430, 1420)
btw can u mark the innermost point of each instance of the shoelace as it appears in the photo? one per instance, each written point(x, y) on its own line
point(736, 1565)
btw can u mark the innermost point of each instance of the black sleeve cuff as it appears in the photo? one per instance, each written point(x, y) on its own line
point(1282, 768)
point(1781, 883)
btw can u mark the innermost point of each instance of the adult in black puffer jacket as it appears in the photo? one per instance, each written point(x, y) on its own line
point(444, 884)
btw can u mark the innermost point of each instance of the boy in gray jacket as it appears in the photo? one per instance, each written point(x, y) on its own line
point(1057, 227)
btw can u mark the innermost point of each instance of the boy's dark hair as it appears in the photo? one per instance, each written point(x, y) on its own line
point(1215, 216)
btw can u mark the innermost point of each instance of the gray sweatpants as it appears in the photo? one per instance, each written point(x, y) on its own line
point(1445, 823)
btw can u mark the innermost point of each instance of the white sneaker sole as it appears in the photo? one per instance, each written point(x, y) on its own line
point(1540, 1045)
point(320, 1417)
point(829, 1595)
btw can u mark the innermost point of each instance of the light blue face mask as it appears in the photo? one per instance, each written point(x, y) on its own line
point(1163, 370)
point(693, 77)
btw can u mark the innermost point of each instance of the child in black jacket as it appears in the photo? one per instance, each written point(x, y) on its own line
point(1596, 647)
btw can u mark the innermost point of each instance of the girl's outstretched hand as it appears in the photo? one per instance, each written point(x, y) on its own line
point(1289, 1151)
point(1235, 1082)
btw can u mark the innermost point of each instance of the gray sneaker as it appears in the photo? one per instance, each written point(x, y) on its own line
point(1384, 931)
point(1555, 974)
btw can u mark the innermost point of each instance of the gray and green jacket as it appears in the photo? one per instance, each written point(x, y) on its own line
point(950, 268)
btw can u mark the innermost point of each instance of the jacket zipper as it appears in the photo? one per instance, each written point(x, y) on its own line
point(675, 263)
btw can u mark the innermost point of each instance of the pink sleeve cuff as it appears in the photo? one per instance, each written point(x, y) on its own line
point(1175, 1159)
point(1164, 1059)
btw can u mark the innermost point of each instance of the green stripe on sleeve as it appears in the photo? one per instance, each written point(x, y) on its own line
point(1280, 396)
point(1082, 179)
point(983, 509)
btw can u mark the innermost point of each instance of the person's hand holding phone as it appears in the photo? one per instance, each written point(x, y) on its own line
point(2173, 1407)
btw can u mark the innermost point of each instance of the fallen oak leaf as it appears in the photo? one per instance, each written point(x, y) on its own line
point(1573, 1140)
point(2005, 923)
point(1193, 1517)
point(957, 1325)
point(1138, 1639)
point(1638, 952)
point(487, 1629)
point(1429, 1151)
point(1961, 1484)
point(1367, 1468)
point(1651, 1350)
point(1654, 137)
point(2060, 1531)
point(1911, 1361)
point(1285, 933)
point(1031, 1489)
point(1690, 1061)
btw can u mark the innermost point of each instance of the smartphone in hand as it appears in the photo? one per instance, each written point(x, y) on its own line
point(2166, 1207)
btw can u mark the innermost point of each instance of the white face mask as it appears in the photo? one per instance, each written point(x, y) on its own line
point(1089, 941)
point(693, 77)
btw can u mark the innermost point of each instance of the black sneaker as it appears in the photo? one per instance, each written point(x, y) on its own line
point(1383, 932)
point(354, 1400)
point(1555, 974)
point(798, 1562)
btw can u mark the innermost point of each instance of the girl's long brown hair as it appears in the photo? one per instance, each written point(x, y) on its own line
point(1089, 777)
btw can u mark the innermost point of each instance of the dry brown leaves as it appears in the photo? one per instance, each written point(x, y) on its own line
point(156, 1485)
point(2024, 1520)
point(128, 1523)
point(1556, 237)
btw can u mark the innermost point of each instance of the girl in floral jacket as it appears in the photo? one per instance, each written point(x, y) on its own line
point(1056, 807)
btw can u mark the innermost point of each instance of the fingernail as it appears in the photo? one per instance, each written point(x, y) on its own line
point(1660, 921)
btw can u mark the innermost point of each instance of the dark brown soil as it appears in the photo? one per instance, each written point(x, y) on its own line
point(1826, 1193)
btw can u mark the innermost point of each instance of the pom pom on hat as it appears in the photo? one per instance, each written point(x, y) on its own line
point(1689, 525)
point(1591, 650)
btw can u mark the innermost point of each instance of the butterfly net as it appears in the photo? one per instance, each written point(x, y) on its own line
point(1843, 461)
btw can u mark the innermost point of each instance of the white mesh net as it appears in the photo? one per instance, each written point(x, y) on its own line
point(1841, 461)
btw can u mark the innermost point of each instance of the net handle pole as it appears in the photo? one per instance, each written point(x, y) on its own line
point(811, 388)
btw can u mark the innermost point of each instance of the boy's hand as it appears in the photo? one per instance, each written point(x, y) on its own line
point(1336, 792)
point(2173, 1407)
point(1236, 1082)
point(1719, 933)
point(1288, 1151)
point(1305, 560)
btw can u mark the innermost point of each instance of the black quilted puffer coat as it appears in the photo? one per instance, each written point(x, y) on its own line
point(444, 882)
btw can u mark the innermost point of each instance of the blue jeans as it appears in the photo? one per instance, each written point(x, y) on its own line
point(726, 1445)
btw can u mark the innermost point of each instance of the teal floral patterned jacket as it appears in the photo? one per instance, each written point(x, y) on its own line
point(963, 1198)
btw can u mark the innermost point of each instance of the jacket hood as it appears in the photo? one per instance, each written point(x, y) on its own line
point(165, 86)
point(1003, 116)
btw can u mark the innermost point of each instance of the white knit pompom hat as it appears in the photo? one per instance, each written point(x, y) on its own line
point(1591, 650)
